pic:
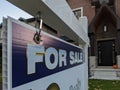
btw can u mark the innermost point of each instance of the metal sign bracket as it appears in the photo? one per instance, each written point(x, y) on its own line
point(38, 25)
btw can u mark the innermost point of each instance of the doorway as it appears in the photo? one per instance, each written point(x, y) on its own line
point(106, 53)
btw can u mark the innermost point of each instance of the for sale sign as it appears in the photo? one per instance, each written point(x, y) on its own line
point(51, 65)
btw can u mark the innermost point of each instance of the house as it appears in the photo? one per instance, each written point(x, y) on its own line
point(104, 34)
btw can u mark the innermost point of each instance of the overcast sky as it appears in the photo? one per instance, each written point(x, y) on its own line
point(8, 9)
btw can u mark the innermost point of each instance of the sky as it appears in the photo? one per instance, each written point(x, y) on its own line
point(8, 9)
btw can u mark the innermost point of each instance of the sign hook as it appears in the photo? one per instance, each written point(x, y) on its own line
point(38, 25)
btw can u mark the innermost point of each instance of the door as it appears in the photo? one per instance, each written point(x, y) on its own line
point(106, 53)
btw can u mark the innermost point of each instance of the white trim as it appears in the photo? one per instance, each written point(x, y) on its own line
point(4, 56)
point(9, 52)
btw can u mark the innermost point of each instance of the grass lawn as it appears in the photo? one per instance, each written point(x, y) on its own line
point(104, 84)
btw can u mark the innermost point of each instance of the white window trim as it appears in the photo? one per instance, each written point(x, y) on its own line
point(80, 8)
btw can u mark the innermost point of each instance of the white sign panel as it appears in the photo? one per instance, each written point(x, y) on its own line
point(51, 65)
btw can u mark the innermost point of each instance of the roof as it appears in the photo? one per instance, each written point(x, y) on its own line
point(27, 20)
point(105, 13)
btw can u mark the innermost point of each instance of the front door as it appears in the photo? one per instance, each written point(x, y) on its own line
point(106, 53)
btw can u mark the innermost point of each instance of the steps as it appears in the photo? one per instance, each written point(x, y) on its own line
point(107, 74)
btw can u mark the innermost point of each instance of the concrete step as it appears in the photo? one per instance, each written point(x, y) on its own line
point(107, 74)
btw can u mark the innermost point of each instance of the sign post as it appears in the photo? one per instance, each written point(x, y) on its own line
point(52, 64)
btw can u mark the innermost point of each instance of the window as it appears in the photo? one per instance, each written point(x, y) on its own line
point(78, 12)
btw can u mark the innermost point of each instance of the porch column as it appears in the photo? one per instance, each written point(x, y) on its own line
point(118, 43)
point(92, 49)
point(92, 57)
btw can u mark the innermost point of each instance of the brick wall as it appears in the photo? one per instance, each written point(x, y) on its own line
point(88, 10)
point(117, 5)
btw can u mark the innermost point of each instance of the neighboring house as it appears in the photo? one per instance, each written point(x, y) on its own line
point(48, 29)
point(45, 27)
